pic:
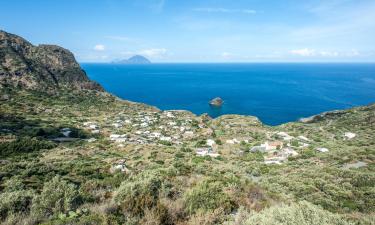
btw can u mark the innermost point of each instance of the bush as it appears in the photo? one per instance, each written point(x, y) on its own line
point(58, 196)
point(302, 213)
point(207, 196)
point(23, 145)
point(15, 202)
point(140, 193)
point(14, 184)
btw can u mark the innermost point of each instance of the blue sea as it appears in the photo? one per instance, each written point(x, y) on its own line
point(275, 93)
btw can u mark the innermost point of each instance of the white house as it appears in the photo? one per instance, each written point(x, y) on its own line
point(285, 136)
point(117, 125)
point(288, 152)
point(206, 151)
point(322, 149)
point(303, 138)
point(93, 126)
point(349, 135)
point(272, 145)
point(163, 138)
point(210, 142)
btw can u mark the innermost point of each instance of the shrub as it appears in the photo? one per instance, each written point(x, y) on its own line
point(24, 145)
point(14, 184)
point(302, 213)
point(15, 202)
point(140, 193)
point(57, 196)
point(207, 218)
point(207, 196)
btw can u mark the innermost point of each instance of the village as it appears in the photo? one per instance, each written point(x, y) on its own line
point(174, 128)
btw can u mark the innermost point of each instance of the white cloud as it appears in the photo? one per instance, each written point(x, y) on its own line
point(329, 54)
point(306, 52)
point(153, 52)
point(99, 47)
point(225, 10)
point(303, 52)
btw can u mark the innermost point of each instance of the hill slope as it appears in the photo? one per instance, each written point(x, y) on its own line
point(36, 67)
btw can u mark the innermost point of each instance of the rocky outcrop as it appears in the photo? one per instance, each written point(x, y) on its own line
point(323, 116)
point(217, 102)
point(39, 67)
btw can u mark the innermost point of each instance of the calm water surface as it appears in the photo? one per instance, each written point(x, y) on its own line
point(275, 93)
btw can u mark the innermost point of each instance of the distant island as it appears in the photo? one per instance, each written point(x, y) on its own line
point(136, 59)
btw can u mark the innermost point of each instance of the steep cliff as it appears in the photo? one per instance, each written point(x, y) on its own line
point(39, 67)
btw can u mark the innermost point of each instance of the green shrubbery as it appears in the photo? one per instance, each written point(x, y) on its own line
point(207, 196)
point(24, 145)
point(302, 213)
point(15, 202)
point(57, 196)
point(140, 193)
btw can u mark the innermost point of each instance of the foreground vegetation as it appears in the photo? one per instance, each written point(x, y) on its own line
point(45, 179)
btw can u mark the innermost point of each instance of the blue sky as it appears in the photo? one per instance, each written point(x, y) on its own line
point(199, 31)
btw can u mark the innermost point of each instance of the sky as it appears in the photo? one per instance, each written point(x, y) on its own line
point(199, 30)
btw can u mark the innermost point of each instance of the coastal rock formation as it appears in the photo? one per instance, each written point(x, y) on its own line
point(41, 67)
point(217, 102)
point(137, 59)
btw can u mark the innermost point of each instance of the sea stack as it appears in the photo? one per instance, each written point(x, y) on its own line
point(217, 102)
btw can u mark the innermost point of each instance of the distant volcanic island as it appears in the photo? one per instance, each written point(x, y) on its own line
point(136, 60)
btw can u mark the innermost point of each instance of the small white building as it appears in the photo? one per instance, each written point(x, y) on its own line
point(169, 115)
point(93, 126)
point(322, 149)
point(288, 152)
point(206, 152)
point(188, 134)
point(303, 138)
point(155, 135)
point(272, 145)
point(233, 141)
point(117, 137)
point(144, 124)
point(349, 135)
point(117, 125)
point(272, 161)
point(210, 142)
point(285, 136)
point(163, 138)
point(119, 166)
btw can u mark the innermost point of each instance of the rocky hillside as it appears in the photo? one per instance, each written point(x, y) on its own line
point(39, 67)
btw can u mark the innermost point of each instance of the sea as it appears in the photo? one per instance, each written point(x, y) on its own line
point(276, 93)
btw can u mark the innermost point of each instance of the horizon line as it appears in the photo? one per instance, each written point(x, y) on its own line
point(253, 62)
